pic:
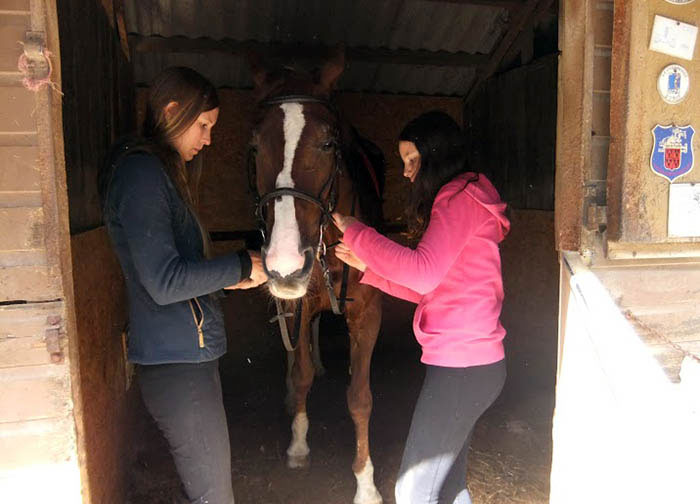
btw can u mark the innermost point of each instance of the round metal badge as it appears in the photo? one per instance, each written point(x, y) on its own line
point(673, 84)
point(680, 2)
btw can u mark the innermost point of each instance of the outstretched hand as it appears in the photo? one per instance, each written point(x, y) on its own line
point(346, 255)
point(257, 273)
point(342, 222)
point(342, 251)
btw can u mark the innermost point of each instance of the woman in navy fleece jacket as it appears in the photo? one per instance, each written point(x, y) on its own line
point(176, 327)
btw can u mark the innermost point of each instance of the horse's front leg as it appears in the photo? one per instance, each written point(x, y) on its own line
point(363, 318)
point(316, 347)
point(302, 377)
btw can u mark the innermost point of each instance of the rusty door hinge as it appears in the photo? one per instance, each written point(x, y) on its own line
point(595, 205)
point(53, 338)
point(37, 65)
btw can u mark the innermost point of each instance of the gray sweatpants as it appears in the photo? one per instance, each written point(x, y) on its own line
point(434, 465)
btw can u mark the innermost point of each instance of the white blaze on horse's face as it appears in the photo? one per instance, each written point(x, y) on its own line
point(283, 254)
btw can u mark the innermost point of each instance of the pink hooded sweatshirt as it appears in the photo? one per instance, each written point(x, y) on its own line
point(454, 274)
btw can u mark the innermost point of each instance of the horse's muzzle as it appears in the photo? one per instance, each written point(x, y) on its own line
point(290, 286)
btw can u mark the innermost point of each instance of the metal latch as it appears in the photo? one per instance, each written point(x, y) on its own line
point(595, 205)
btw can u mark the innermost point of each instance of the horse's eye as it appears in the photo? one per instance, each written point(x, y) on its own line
point(328, 146)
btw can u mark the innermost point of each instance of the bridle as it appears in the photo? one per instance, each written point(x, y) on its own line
point(327, 206)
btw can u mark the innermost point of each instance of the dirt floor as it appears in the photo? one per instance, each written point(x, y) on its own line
point(511, 448)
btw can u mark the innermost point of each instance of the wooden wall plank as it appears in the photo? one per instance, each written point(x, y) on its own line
point(601, 70)
point(17, 139)
point(34, 392)
point(45, 442)
point(16, 106)
point(35, 283)
point(29, 351)
point(17, 199)
point(29, 257)
point(12, 30)
point(602, 23)
point(19, 5)
point(19, 169)
point(601, 115)
point(21, 228)
point(26, 320)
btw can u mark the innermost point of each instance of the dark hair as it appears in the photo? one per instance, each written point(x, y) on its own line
point(443, 155)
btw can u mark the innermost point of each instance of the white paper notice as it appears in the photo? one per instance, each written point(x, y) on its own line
point(673, 37)
point(684, 210)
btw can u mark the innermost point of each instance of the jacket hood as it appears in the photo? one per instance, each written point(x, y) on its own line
point(483, 191)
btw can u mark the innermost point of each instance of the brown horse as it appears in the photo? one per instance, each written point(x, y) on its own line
point(308, 163)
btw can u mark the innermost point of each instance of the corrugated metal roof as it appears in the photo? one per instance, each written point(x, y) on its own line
point(390, 24)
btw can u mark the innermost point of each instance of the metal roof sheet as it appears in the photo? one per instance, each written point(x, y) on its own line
point(389, 24)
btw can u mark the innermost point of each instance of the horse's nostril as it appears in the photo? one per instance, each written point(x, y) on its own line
point(308, 254)
point(274, 275)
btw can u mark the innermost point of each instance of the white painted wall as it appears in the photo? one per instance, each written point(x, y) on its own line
point(623, 432)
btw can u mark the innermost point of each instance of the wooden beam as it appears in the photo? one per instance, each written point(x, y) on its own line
point(520, 20)
point(523, 46)
point(179, 44)
point(500, 4)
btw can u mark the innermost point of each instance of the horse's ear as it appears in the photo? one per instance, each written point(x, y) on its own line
point(333, 68)
point(257, 68)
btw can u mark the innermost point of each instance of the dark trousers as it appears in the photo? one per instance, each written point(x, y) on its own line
point(185, 401)
point(434, 465)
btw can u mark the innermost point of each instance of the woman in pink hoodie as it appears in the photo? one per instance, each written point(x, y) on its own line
point(454, 275)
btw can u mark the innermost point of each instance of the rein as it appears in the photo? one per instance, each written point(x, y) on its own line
point(326, 206)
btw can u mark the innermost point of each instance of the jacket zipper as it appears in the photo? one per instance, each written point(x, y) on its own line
point(198, 323)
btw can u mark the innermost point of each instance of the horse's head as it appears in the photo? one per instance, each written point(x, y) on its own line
point(297, 162)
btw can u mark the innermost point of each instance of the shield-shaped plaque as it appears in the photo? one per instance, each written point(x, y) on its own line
point(672, 154)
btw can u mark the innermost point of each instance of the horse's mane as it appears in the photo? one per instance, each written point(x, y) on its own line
point(369, 188)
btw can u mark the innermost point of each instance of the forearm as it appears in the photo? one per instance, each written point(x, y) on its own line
point(419, 270)
point(170, 280)
point(391, 288)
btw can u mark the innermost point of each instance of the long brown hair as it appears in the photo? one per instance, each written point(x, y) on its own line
point(193, 94)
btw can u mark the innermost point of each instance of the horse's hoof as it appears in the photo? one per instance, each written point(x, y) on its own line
point(374, 499)
point(366, 492)
point(297, 461)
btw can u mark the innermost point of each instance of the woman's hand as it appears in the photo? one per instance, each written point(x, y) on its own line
point(343, 222)
point(346, 255)
point(257, 273)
